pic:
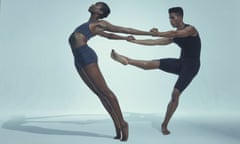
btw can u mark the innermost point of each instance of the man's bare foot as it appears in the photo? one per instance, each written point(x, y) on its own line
point(164, 129)
point(123, 60)
point(124, 132)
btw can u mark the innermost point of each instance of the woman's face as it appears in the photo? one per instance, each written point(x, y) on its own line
point(95, 9)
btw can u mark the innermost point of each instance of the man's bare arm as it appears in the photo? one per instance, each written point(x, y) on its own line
point(188, 31)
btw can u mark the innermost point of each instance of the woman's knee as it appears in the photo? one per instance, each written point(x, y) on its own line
point(106, 92)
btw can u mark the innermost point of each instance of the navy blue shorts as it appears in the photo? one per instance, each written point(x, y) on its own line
point(84, 56)
point(185, 69)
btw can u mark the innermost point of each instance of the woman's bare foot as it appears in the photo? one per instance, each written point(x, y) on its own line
point(122, 59)
point(124, 132)
point(165, 131)
point(118, 132)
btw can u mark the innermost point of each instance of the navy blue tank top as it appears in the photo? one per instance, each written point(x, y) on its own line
point(190, 46)
point(84, 29)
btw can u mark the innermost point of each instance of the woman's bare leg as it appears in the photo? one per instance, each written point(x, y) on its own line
point(105, 94)
point(146, 65)
point(105, 104)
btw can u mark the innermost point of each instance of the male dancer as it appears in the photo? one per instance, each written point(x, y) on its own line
point(186, 66)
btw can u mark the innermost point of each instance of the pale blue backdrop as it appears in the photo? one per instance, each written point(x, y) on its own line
point(37, 74)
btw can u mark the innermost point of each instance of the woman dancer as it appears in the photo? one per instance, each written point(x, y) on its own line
point(87, 64)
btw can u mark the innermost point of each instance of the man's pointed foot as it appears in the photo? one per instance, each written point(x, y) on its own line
point(119, 58)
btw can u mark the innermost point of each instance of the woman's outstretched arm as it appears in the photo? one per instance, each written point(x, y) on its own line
point(161, 41)
point(119, 29)
point(114, 36)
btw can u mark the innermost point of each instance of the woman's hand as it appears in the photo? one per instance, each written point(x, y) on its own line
point(130, 38)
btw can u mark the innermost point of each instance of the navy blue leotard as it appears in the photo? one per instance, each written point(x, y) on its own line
point(84, 55)
point(85, 30)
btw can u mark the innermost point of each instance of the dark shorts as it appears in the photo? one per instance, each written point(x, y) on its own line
point(185, 69)
point(84, 56)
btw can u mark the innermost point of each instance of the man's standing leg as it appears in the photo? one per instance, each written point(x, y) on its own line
point(172, 106)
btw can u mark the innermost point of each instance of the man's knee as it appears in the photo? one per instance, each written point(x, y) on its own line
point(148, 65)
point(175, 94)
point(145, 66)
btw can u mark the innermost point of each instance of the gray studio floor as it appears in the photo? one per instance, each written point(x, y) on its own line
point(92, 129)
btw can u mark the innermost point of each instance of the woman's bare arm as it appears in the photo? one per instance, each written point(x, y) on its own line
point(119, 29)
point(161, 41)
point(114, 36)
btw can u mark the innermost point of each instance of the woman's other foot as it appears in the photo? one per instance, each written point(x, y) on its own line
point(124, 132)
point(118, 133)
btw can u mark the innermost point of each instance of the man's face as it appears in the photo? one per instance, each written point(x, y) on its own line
point(175, 19)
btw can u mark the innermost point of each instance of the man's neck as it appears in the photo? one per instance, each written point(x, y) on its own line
point(181, 26)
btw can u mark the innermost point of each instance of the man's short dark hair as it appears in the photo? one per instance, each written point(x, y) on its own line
point(177, 10)
point(105, 8)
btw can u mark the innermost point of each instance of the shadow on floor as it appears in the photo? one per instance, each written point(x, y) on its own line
point(26, 124)
point(183, 126)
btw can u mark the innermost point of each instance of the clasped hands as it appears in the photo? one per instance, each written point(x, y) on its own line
point(153, 31)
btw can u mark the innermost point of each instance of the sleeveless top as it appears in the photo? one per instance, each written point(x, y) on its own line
point(190, 46)
point(84, 29)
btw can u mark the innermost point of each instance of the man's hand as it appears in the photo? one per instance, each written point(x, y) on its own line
point(154, 31)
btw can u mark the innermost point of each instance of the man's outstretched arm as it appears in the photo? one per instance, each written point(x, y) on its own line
point(188, 31)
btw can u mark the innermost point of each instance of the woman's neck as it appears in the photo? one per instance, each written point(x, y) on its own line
point(93, 18)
